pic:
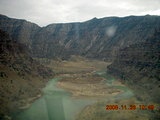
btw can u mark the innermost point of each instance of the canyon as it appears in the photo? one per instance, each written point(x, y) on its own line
point(124, 47)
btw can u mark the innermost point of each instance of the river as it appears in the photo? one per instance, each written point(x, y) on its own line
point(58, 104)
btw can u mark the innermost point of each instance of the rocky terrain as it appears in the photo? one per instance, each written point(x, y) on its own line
point(139, 66)
point(21, 77)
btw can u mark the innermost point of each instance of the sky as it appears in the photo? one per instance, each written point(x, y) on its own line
point(44, 12)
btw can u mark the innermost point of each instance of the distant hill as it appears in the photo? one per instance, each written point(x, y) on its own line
point(96, 38)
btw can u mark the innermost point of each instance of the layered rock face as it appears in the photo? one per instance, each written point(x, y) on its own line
point(96, 38)
point(139, 66)
point(20, 30)
point(102, 38)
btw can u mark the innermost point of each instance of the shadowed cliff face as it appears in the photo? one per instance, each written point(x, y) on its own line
point(96, 38)
point(102, 38)
point(12, 51)
point(139, 66)
point(20, 30)
point(21, 77)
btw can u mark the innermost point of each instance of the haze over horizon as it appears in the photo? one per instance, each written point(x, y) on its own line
point(44, 12)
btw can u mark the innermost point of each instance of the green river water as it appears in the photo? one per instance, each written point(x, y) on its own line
point(58, 104)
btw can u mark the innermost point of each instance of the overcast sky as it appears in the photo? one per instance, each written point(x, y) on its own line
point(44, 12)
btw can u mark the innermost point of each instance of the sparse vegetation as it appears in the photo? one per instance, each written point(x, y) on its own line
point(21, 77)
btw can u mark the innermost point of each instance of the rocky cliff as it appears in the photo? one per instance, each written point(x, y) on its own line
point(139, 66)
point(20, 30)
point(96, 38)
point(102, 38)
point(21, 77)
